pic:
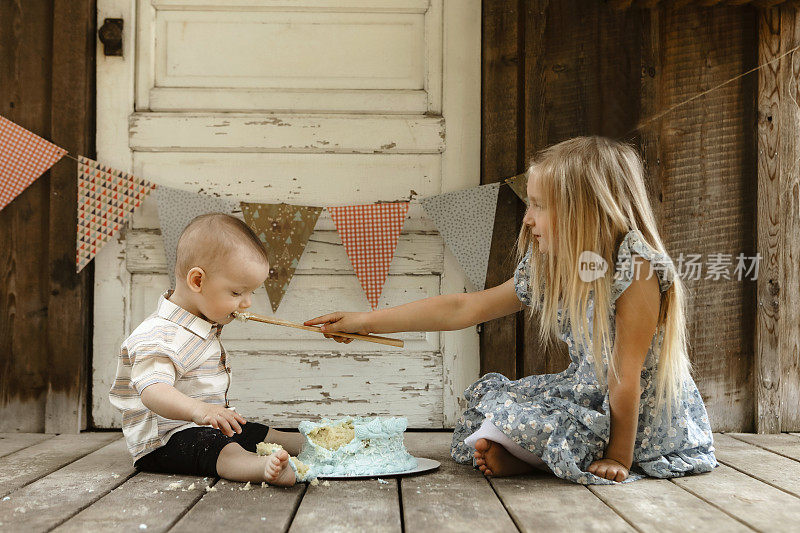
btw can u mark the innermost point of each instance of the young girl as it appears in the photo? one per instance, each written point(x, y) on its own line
point(627, 405)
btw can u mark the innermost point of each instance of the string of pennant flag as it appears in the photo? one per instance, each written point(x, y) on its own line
point(107, 198)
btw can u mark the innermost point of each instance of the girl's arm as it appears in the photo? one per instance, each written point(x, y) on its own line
point(636, 322)
point(438, 313)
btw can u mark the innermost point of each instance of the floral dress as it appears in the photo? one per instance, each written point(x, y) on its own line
point(564, 418)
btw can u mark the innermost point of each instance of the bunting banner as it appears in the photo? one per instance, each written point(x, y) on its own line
point(466, 221)
point(369, 234)
point(284, 229)
point(106, 200)
point(176, 208)
point(24, 156)
point(519, 184)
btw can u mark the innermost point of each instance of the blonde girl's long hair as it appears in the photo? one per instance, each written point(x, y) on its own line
point(594, 189)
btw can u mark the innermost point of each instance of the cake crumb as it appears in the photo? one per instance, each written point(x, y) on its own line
point(211, 489)
point(326, 483)
point(302, 468)
point(267, 448)
point(142, 526)
point(314, 482)
point(115, 476)
point(190, 487)
point(174, 486)
point(264, 484)
point(383, 481)
point(246, 487)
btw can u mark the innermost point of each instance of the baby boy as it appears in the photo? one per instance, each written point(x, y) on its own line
point(173, 375)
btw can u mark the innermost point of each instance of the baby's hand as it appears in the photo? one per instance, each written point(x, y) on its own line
point(219, 417)
point(340, 322)
point(609, 469)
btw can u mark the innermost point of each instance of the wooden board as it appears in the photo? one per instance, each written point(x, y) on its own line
point(72, 128)
point(324, 254)
point(763, 462)
point(767, 364)
point(26, 48)
point(536, 503)
point(750, 501)
point(239, 132)
point(501, 158)
point(787, 444)
point(49, 501)
point(344, 506)
point(29, 464)
point(789, 328)
point(143, 499)
point(658, 505)
point(584, 84)
point(454, 498)
point(11, 442)
point(259, 509)
point(709, 190)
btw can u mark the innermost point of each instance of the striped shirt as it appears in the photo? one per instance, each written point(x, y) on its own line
point(175, 347)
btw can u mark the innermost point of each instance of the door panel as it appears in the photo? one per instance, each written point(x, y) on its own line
point(318, 102)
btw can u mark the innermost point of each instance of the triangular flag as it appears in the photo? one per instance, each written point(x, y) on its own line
point(369, 234)
point(98, 231)
point(176, 208)
point(519, 184)
point(466, 220)
point(24, 156)
point(275, 225)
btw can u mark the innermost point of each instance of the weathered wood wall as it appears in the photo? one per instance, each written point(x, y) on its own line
point(554, 70)
point(550, 71)
point(46, 85)
point(777, 366)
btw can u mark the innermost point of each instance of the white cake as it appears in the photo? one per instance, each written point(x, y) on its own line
point(355, 447)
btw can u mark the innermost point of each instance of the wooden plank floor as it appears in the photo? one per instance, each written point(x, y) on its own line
point(86, 483)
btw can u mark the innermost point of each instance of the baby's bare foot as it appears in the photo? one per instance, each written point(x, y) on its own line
point(494, 460)
point(277, 470)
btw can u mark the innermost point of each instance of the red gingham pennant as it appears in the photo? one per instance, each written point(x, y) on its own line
point(369, 234)
point(24, 156)
point(106, 199)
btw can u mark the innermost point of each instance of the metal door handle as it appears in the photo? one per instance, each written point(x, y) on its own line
point(110, 34)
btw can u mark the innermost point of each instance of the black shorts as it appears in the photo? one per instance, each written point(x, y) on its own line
point(194, 451)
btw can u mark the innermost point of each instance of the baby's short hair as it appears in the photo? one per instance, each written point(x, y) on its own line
point(208, 240)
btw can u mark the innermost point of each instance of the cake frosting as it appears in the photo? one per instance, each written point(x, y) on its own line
point(355, 447)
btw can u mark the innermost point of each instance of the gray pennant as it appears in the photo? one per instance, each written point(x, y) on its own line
point(176, 208)
point(466, 221)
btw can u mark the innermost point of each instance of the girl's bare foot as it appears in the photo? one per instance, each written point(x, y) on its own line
point(494, 460)
point(277, 470)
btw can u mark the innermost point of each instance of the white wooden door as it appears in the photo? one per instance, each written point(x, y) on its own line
point(311, 102)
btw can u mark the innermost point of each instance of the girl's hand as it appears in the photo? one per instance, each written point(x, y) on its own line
point(609, 469)
point(340, 322)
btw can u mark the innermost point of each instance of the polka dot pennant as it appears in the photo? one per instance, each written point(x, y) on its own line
point(284, 229)
point(106, 200)
point(466, 221)
point(176, 208)
point(369, 234)
point(24, 156)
